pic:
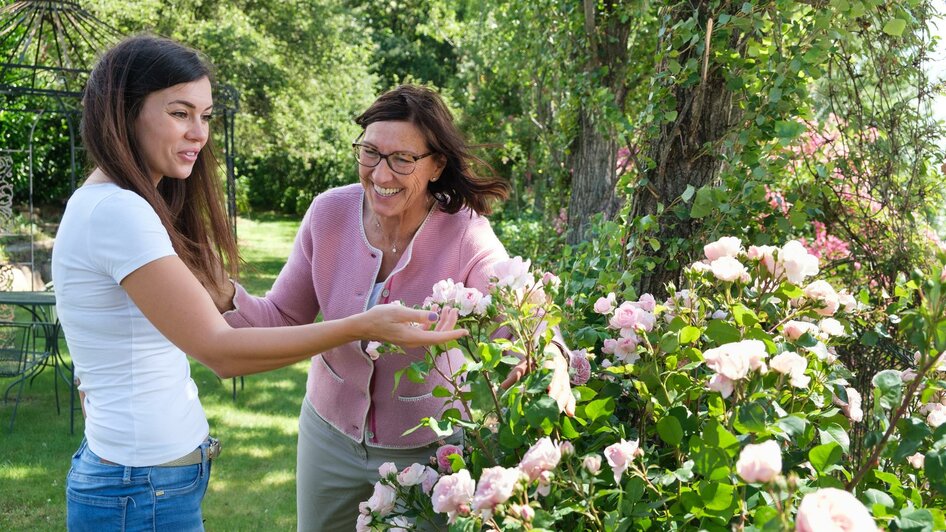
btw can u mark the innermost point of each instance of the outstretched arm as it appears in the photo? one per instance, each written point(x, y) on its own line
point(177, 304)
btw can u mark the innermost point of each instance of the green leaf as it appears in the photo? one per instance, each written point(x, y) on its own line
point(599, 408)
point(895, 27)
point(670, 430)
point(721, 332)
point(875, 496)
point(935, 468)
point(793, 425)
point(788, 129)
point(744, 316)
point(441, 427)
point(712, 462)
point(716, 496)
point(688, 193)
point(690, 334)
point(542, 412)
point(440, 391)
point(835, 433)
point(704, 203)
point(568, 429)
point(888, 388)
point(913, 520)
point(750, 418)
point(824, 456)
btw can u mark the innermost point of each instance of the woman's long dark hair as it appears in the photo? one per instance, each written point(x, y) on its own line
point(190, 209)
point(459, 186)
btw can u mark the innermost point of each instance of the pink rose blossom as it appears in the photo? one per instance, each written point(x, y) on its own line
point(728, 269)
point(793, 330)
point(735, 359)
point(852, 408)
point(551, 280)
point(452, 495)
point(822, 292)
point(382, 500)
point(592, 463)
point(430, 479)
point(847, 301)
point(605, 305)
point(625, 349)
point(791, 364)
point(387, 470)
point(363, 524)
point(727, 246)
point(580, 367)
point(831, 327)
point(647, 303)
point(760, 463)
point(935, 413)
point(401, 524)
point(443, 456)
point(721, 384)
point(444, 292)
point(542, 456)
point(832, 509)
point(495, 487)
point(700, 267)
point(372, 350)
point(567, 448)
point(412, 475)
point(766, 254)
point(513, 274)
point(917, 460)
point(796, 263)
point(470, 301)
point(620, 455)
point(522, 511)
point(545, 483)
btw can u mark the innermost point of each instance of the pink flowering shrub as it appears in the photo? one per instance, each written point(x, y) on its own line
point(724, 406)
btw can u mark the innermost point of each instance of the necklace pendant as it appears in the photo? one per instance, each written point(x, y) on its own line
point(394, 249)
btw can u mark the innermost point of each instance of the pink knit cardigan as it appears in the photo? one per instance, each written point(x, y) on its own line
point(332, 270)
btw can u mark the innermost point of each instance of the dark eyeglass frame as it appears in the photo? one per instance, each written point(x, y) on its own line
point(357, 146)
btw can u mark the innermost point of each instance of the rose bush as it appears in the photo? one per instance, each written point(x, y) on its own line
point(724, 406)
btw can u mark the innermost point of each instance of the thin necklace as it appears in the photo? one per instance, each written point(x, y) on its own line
point(377, 224)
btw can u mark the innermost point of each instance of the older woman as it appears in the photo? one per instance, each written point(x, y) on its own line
point(415, 218)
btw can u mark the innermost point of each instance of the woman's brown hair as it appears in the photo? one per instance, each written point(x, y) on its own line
point(459, 186)
point(190, 209)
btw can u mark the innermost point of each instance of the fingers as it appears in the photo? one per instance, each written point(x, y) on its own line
point(422, 338)
point(448, 319)
point(515, 374)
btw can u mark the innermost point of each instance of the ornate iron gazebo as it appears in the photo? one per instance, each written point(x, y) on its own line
point(47, 49)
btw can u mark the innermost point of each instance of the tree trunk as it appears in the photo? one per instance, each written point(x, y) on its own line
point(705, 112)
point(594, 176)
point(592, 163)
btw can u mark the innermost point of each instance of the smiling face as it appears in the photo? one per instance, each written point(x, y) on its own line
point(172, 128)
point(388, 193)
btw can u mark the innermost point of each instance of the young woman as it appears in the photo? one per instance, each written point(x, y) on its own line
point(141, 246)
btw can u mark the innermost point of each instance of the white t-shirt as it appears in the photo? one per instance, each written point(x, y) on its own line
point(141, 402)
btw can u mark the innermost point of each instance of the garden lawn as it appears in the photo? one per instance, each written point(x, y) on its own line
point(253, 482)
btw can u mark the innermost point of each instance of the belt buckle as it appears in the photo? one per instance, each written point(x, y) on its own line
point(213, 450)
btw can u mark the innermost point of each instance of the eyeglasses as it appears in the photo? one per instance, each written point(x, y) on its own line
point(400, 162)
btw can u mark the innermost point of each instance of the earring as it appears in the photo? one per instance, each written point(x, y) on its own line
point(434, 179)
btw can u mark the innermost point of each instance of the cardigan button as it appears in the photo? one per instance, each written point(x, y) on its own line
point(369, 435)
point(374, 255)
point(385, 293)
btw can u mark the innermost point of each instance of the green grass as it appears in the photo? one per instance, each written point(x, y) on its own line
point(253, 482)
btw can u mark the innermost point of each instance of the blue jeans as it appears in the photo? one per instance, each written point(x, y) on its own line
point(101, 496)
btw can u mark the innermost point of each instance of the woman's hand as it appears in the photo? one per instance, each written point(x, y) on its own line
point(407, 327)
point(560, 388)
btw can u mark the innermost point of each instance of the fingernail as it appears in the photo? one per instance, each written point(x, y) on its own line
point(433, 316)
